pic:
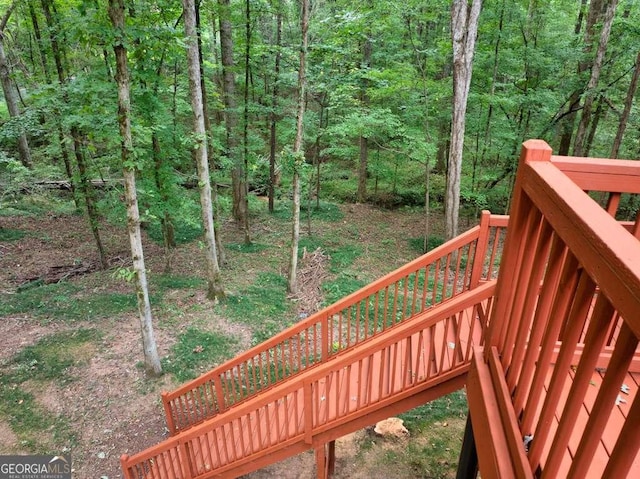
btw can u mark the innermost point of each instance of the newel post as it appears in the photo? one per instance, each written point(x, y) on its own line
point(514, 247)
point(217, 384)
point(124, 460)
point(481, 250)
point(166, 403)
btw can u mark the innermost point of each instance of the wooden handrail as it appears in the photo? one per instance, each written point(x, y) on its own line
point(308, 384)
point(453, 267)
point(567, 303)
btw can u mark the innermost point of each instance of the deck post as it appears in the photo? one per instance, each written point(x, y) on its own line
point(481, 249)
point(468, 462)
point(321, 462)
point(514, 247)
point(168, 413)
point(326, 460)
point(124, 460)
point(331, 459)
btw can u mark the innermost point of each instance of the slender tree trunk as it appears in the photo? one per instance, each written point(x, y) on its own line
point(151, 358)
point(568, 122)
point(11, 95)
point(323, 122)
point(168, 230)
point(231, 115)
point(38, 35)
point(361, 195)
point(494, 79)
point(444, 145)
point(578, 144)
point(273, 139)
point(89, 194)
point(245, 125)
point(76, 135)
point(628, 102)
point(207, 125)
point(215, 290)
point(56, 111)
point(298, 153)
point(464, 30)
point(600, 113)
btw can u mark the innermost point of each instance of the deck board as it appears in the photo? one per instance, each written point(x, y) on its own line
point(612, 430)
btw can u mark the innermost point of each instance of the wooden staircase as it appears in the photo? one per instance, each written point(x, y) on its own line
point(528, 344)
point(396, 343)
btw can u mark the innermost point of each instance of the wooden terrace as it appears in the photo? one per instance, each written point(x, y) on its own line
point(546, 347)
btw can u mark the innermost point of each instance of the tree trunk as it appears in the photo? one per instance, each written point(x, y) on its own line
point(168, 230)
point(298, 153)
point(231, 115)
point(599, 114)
point(464, 30)
point(566, 127)
point(273, 139)
point(215, 290)
point(444, 145)
point(492, 91)
point(578, 144)
point(151, 358)
point(89, 194)
point(245, 123)
point(10, 94)
point(207, 125)
point(361, 195)
point(38, 35)
point(76, 135)
point(628, 102)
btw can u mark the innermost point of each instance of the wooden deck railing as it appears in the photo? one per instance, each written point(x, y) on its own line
point(329, 399)
point(569, 285)
point(436, 277)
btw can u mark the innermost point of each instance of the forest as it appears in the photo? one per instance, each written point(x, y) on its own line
point(199, 121)
point(378, 98)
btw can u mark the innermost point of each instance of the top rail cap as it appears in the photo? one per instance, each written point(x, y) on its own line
point(536, 150)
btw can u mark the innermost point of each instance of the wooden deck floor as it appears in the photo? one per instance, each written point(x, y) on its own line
point(612, 430)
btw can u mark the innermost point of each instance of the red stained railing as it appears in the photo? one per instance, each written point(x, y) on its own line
point(569, 285)
point(431, 279)
point(413, 357)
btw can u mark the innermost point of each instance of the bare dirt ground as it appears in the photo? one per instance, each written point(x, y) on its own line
point(111, 406)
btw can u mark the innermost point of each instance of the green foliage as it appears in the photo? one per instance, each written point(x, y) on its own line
point(184, 232)
point(50, 359)
point(263, 305)
point(168, 281)
point(325, 212)
point(340, 287)
point(196, 352)
point(417, 244)
point(247, 248)
point(62, 301)
point(343, 257)
point(36, 204)
point(8, 234)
